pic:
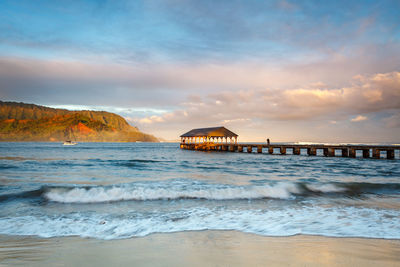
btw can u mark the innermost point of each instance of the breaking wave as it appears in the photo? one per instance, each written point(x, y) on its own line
point(140, 192)
point(173, 190)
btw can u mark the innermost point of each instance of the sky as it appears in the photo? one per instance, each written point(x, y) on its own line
point(317, 71)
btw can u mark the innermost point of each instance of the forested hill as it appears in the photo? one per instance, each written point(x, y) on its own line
point(29, 122)
point(22, 111)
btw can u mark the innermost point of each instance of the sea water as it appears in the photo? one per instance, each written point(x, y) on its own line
point(123, 190)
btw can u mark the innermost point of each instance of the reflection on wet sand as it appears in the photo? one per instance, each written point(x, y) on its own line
point(206, 248)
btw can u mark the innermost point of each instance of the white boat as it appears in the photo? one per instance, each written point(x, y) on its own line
point(69, 143)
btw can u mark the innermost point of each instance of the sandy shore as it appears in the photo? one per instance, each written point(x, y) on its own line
point(207, 248)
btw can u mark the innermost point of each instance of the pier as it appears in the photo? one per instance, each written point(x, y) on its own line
point(221, 139)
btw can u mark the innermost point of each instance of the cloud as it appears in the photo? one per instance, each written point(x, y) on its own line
point(223, 92)
point(359, 118)
point(366, 94)
point(194, 31)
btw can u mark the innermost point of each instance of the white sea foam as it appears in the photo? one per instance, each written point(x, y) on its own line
point(325, 188)
point(163, 191)
point(328, 221)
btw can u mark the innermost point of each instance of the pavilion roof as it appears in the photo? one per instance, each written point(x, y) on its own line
point(211, 132)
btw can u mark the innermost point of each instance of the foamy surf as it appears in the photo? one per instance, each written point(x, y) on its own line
point(313, 220)
point(180, 190)
point(164, 191)
point(191, 189)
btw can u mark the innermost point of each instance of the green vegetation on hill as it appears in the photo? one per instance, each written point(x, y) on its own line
point(29, 122)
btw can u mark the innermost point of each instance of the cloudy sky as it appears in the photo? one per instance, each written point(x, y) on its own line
point(322, 71)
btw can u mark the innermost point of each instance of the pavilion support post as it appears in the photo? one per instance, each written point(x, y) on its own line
point(345, 152)
point(249, 149)
point(365, 153)
point(352, 153)
point(311, 151)
point(271, 150)
point(259, 149)
point(296, 151)
point(390, 154)
point(376, 153)
point(283, 150)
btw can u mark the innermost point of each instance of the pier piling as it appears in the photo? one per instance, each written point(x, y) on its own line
point(390, 154)
point(376, 153)
point(365, 153)
point(271, 150)
point(311, 151)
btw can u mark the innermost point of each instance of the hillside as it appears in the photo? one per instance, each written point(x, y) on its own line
point(29, 122)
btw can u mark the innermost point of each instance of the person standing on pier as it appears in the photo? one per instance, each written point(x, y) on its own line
point(267, 141)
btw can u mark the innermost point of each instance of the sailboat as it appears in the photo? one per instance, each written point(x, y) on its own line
point(69, 142)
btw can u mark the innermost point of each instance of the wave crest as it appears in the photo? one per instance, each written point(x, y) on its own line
point(171, 190)
point(118, 193)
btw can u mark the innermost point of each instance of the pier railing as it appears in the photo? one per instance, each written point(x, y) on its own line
point(373, 151)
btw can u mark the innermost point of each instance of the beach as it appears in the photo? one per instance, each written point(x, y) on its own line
point(200, 248)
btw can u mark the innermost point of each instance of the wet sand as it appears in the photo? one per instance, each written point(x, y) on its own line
point(205, 248)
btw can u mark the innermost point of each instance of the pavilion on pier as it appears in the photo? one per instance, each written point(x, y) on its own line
point(209, 135)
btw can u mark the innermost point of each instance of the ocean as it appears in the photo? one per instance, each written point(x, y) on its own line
point(123, 190)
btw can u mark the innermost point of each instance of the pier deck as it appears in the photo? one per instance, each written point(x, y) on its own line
point(367, 151)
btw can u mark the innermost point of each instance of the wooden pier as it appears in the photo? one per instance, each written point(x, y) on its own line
point(350, 151)
point(222, 139)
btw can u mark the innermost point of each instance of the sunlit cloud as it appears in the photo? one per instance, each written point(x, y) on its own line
point(242, 108)
point(359, 118)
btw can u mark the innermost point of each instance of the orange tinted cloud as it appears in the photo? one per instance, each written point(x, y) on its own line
point(366, 94)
